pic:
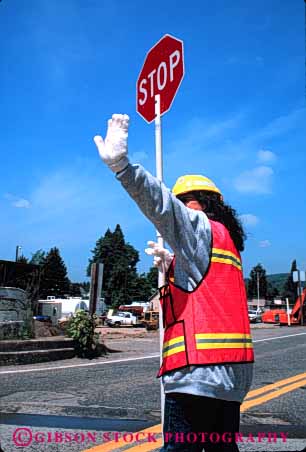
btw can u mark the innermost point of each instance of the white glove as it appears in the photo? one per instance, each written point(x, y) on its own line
point(113, 150)
point(162, 257)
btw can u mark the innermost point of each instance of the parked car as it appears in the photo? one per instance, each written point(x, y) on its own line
point(254, 315)
point(121, 319)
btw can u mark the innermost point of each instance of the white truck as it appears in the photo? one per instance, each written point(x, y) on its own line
point(121, 319)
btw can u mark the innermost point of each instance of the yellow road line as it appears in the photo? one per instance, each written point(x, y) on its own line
point(279, 383)
point(296, 382)
point(111, 445)
point(272, 395)
point(146, 447)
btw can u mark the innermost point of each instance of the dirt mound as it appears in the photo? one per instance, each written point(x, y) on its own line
point(46, 329)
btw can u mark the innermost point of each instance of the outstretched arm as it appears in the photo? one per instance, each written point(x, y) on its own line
point(186, 231)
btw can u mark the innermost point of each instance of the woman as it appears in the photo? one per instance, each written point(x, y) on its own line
point(207, 352)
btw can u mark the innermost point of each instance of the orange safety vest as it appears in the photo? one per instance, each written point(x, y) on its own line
point(210, 324)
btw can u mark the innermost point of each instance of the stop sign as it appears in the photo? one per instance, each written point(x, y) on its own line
point(162, 73)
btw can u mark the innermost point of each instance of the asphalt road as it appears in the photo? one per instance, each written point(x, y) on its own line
point(101, 395)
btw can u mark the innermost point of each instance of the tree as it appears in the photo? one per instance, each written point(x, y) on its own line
point(119, 273)
point(79, 289)
point(290, 287)
point(145, 285)
point(257, 272)
point(74, 289)
point(152, 277)
point(85, 286)
point(38, 257)
point(272, 291)
point(121, 282)
point(138, 288)
point(54, 279)
point(22, 259)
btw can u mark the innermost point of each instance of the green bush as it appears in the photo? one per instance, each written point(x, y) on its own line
point(81, 328)
point(27, 332)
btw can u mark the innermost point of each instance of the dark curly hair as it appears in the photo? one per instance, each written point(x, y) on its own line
point(217, 210)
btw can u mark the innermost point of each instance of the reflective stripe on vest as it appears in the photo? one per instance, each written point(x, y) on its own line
point(173, 346)
point(208, 325)
point(225, 257)
point(222, 340)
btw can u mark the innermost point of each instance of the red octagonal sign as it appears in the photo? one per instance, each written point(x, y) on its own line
point(162, 73)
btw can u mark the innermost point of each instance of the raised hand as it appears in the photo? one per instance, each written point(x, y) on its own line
point(113, 150)
point(162, 256)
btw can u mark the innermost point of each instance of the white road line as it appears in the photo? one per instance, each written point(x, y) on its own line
point(279, 337)
point(72, 366)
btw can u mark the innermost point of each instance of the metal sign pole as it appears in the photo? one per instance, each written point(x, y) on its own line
point(160, 240)
point(288, 314)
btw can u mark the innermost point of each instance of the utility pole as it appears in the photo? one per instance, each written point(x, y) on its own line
point(95, 286)
point(257, 275)
point(18, 248)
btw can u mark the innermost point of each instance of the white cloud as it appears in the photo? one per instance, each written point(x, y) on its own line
point(248, 219)
point(228, 143)
point(60, 191)
point(72, 191)
point(200, 134)
point(264, 243)
point(20, 203)
point(76, 201)
point(281, 125)
point(266, 156)
point(257, 180)
point(202, 145)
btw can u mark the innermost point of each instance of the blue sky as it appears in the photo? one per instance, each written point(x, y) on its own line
point(239, 118)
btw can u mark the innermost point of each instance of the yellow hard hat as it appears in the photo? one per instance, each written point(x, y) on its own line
point(193, 182)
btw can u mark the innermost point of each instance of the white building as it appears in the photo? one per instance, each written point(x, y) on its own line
point(57, 308)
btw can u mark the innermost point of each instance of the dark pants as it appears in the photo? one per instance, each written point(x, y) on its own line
point(217, 420)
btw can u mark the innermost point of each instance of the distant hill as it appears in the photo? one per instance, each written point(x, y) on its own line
point(277, 280)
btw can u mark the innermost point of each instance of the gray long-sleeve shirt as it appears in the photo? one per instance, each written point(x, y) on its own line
point(188, 233)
